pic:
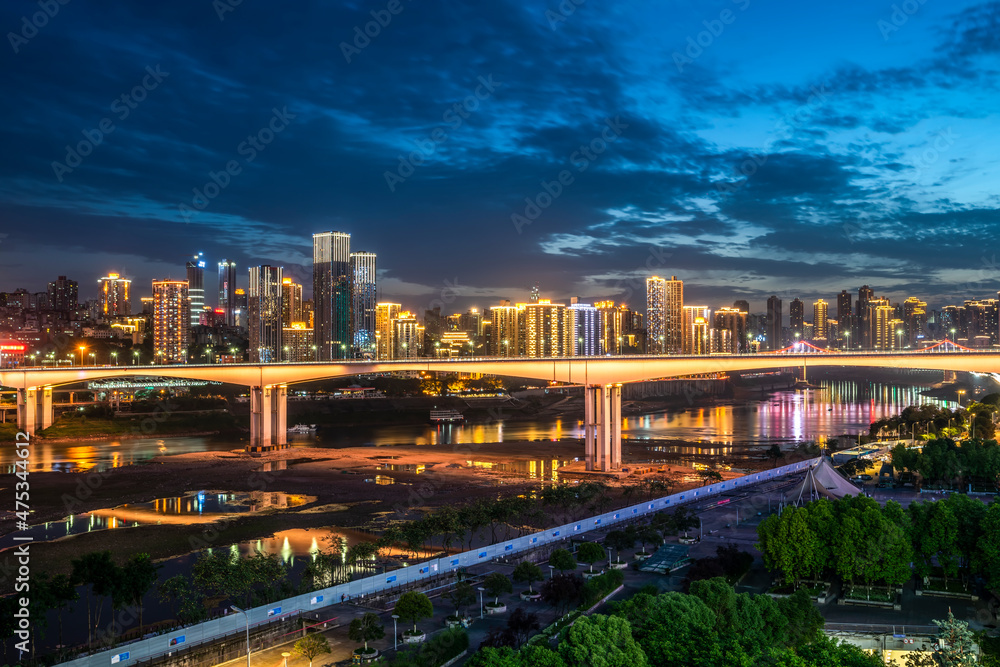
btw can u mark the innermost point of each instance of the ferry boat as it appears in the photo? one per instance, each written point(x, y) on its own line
point(302, 429)
point(446, 416)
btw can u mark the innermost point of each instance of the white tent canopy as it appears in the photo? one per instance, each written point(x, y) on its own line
point(821, 481)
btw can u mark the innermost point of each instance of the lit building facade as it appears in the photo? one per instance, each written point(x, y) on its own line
point(264, 321)
point(297, 342)
point(664, 315)
point(774, 335)
point(547, 329)
point(196, 286)
point(821, 327)
point(585, 330)
point(409, 336)
point(291, 302)
point(364, 298)
point(64, 294)
point(171, 321)
point(227, 290)
point(730, 331)
point(116, 296)
point(385, 330)
point(332, 294)
point(696, 329)
point(505, 330)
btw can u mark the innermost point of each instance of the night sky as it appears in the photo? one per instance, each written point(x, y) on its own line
point(750, 147)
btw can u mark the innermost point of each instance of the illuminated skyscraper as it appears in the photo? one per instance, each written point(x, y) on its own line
point(821, 328)
point(291, 302)
point(664, 315)
point(227, 290)
point(364, 296)
point(115, 296)
point(612, 326)
point(585, 329)
point(696, 324)
point(332, 294)
point(915, 320)
point(879, 318)
point(171, 321)
point(547, 329)
point(297, 342)
point(730, 325)
point(264, 302)
point(796, 319)
point(861, 321)
point(64, 294)
point(774, 324)
point(505, 330)
point(845, 318)
point(409, 336)
point(196, 286)
point(385, 330)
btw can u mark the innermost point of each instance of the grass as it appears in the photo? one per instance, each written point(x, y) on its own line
point(813, 591)
point(875, 593)
point(954, 586)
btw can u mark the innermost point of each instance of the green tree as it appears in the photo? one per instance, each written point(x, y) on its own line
point(529, 572)
point(562, 560)
point(958, 643)
point(934, 536)
point(413, 606)
point(137, 576)
point(988, 553)
point(461, 597)
point(311, 646)
point(589, 553)
point(98, 571)
point(672, 628)
point(562, 590)
point(496, 584)
point(648, 535)
point(601, 641)
point(365, 629)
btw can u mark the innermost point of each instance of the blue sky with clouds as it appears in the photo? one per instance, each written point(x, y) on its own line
point(748, 147)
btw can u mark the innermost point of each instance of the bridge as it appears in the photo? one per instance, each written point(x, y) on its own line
point(601, 377)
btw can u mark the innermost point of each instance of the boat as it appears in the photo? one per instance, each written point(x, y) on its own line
point(302, 429)
point(446, 416)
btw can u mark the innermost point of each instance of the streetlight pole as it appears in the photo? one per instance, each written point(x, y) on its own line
point(395, 633)
point(247, 616)
point(285, 656)
point(481, 589)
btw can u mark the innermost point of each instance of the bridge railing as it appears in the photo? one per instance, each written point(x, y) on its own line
point(234, 623)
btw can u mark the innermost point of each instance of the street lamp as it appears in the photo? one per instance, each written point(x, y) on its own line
point(247, 616)
point(135, 357)
point(93, 359)
point(82, 348)
point(285, 656)
point(114, 355)
point(481, 589)
point(552, 571)
point(395, 633)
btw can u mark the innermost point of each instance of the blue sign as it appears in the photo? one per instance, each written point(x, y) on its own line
point(555, 534)
point(177, 640)
point(597, 522)
point(616, 516)
point(272, 612)
point(316, 600)
point(509, 547)
point(482, 554)
point(534, 539)
point(899, 636)
point(121, 657)
point(424, 570)
point(391, 579)
point(454, 562)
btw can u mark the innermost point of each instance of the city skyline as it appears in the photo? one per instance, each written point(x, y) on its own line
point(744, 170)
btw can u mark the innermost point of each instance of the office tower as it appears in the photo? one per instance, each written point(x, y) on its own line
point(982, 325)
point(696, 324)
point(297, 342)
point(845, 318)
point(915, 320)
point(730, 325)
point(471, 321)
point(64, 294)
point(547, 329)
point(954, 323)
point(364, 297)
point(796, 319)
point(664, 317)
point(612, 326)
point(505, 330)
point(774, 324)
point(861, 323)
point(264, 321)
point(227, 290)
point(332, 294)
point(585, 329)
point(241, 308)
point(821, 327)
point(115, 300)
point(196, 286)
point(409, 336)
point(385, 330)
point(171, 321)
point(742, 305)
point(291, 302)
point(879, 332)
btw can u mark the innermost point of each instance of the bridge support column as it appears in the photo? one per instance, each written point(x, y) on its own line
point(34, 409)
point(268, 410)
point(603, 431)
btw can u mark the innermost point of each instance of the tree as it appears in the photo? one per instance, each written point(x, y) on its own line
point(958, 643)
point(520, 625)
point(562, 560)
point(604, 641)
point(648, 535)
point(413, 606)
point(589, 553)
point(619, 540)
point(365, 629)
point(672, 628)
point(137, 576)
point(774, 453)
point(709, 476)
point(988, 554)
point(934, 535)
point(529, 572)
point(562, 590)
point(99, 571)
point(461, 597)
point(496, 584)
point(311, 646)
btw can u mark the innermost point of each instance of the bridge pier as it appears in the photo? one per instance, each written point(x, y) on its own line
point(268, 415)
point(603, 427)
point(34, 409)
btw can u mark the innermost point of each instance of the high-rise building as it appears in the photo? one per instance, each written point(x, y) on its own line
point(297, 342)
point(612, 326)
point(821, 328)
point(291, 302)
point(585, 329)
point(242, 308)
point(547, 329)
point(332, 294)
point(364, 297)
point(981, 316)
point(385, 330)
point(264, 304)
point(862, 325)
point(730, 325)
point(505, 330)
point(915, 320)
point(879, 317)
point(196, 286)
point(696, 325)
point(409, 336)
point(227, 290)
point(171, 321)
point(845, 318)
point(664, 316)
point(796, 319)
point(742, 305)
point(64, 294)
point(774, 324)
point(115, 298)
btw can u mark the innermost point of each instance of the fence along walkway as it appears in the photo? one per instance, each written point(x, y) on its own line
point(143, 650)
